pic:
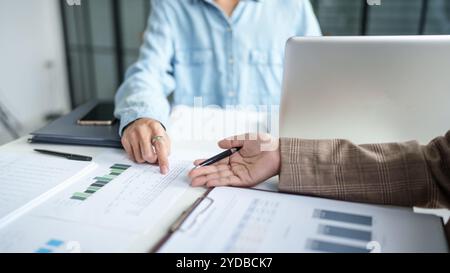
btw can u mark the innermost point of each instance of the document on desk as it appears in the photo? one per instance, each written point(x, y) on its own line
point(27, 180)
point(244, 220)
point(34, 234)
point(120, 194)
point(116, 202)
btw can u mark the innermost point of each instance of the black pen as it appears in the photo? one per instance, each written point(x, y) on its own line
point(65, 155)
point(218, 157)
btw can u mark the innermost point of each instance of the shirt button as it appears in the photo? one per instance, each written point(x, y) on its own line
point(231, 94)
point(229, 29)
point(231, 60)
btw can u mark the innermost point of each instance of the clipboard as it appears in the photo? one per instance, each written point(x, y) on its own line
point(192, 218)
point(182, 218)
point(185, 215)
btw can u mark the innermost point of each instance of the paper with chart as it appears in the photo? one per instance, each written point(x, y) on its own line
point(242, 220)
point(119, 198)
point(32, 234)
point(27, 180)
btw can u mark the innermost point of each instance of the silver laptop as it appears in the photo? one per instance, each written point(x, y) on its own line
point(366, 89)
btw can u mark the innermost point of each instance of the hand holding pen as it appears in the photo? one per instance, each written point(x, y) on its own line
point(218, 157)
point(245, 164)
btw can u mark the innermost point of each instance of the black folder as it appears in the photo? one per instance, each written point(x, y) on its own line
point(65, 130)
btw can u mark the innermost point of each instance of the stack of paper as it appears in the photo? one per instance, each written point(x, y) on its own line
point(105, 210)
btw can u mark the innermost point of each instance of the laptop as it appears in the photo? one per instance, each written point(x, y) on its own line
point(366, 89)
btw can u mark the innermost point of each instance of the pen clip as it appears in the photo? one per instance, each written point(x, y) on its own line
point(177, 226)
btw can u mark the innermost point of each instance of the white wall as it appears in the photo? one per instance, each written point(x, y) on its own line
point(30, 37)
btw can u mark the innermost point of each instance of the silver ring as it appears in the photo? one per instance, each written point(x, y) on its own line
point(156, 139)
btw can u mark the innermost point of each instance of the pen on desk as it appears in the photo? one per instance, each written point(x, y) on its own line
point(65, 155)
point(218, 157)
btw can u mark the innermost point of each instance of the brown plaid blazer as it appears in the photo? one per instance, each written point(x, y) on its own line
point(403, 174)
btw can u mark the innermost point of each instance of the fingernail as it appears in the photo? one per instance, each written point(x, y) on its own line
point(164, 169)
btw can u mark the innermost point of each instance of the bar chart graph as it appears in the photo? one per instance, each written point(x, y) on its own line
point(51, 246)
point(332, 231)
point(343, 232)
point(343, 217)
point(237, 220)
point(324, 246)
point(99, 182)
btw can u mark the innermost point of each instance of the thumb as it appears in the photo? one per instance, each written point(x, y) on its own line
point(232, 142)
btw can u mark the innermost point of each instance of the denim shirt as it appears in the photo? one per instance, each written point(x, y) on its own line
point(194, 50)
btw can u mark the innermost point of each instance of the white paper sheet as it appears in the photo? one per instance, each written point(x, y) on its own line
point(108, 220)
point(243, 220)
point(32, 234)
point(27, 180)
point(131, 202)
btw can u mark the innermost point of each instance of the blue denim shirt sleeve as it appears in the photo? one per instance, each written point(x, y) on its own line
point(150, 80)
point(309, 26)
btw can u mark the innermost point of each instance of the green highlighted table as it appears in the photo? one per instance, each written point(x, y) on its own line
point(115, 171)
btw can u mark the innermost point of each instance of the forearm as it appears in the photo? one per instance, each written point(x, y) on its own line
point(392, 174)
point(150, 80)
point(134, 102)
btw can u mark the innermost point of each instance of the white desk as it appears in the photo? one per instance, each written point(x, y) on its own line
point(183, 147)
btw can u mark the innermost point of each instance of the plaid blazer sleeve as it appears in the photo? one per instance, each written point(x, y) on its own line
point(404, 174)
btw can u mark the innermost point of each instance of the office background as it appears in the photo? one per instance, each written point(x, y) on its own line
point(80, 52)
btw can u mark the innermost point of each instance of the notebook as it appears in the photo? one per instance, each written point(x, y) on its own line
point(65, 130)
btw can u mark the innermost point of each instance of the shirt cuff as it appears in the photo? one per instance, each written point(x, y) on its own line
point(128, 118)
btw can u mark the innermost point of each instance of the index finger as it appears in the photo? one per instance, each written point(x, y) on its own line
point(162, 152)
point(232, 142)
